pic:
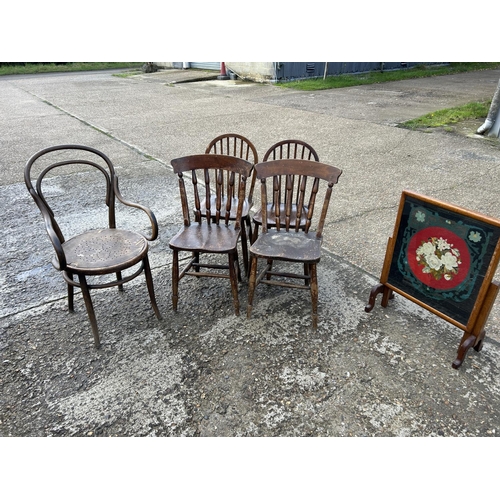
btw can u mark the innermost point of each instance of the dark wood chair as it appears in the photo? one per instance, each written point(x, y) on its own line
point(287, 149)
point(96, 252)
point(305, 181)
point(211, 231)
point(241, 147)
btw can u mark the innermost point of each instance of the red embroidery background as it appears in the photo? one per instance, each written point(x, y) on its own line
point(438, 232)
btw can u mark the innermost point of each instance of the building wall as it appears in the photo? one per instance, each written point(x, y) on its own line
point(256, 71)
point(287, 71)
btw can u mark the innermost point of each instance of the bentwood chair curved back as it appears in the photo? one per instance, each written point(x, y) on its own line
point(241, 147)
point(287, 149)
point(212, 231)
point(98, 251)
point(305, 181)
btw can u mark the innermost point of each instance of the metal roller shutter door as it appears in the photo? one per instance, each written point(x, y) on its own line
point(205, 65)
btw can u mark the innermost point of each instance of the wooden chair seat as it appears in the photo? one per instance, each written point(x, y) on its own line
point(271, 219)
point(213, 238)
point(104, 251)
point(289, 246)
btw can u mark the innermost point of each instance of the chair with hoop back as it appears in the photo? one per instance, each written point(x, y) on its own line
point(287, 149)
point(241, 147)
point(287, 240)
point(212, 231)
point(93, 253)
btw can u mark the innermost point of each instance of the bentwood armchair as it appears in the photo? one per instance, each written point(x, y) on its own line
point(88, 256)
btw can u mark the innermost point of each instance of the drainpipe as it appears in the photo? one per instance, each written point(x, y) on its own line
point(276, 67)
point(492, 122)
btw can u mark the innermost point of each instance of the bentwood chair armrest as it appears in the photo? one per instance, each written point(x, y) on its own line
point(149, 213)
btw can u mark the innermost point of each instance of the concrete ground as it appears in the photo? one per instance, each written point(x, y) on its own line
point(202, 371)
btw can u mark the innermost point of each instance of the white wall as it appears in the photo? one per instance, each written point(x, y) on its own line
point(256, 71)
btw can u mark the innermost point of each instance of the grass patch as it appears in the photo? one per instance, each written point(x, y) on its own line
point(340, 81)
point(31, 68)
point(129, 73)
point(450, 116)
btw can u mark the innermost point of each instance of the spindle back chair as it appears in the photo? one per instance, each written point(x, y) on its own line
point(213, 231)
point(241, 147)
point(285, 239)
point(287, 149)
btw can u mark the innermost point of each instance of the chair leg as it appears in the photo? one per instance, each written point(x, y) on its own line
point(238, 270)
point(248, 222)
point(196, 260)
point(175, 279)
point(118, 278)
point(251, 284)
point(314, 295)
point(307, 272)
point(244, 247)
point(71, 294)
point(255, 233)
point(269, 268)
point(90, 309)
point(234, 283)
point(149, 282)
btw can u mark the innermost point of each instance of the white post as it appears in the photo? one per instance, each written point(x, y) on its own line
point(492, 122)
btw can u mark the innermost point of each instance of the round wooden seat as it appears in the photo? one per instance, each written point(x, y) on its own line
point(103, 251)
